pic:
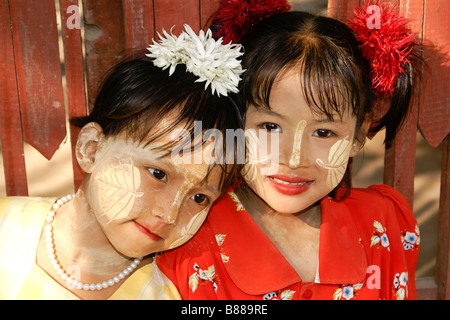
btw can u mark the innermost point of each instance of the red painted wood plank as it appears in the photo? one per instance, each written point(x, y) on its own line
point(443, 252)
point(342, 9)
point(104, 41)
point(74, 71)
point(207, 9)
point(434, 112)
point(39, 73)
point(400, 158)
point(169, 13)
point(139, 24)
point(10, 125)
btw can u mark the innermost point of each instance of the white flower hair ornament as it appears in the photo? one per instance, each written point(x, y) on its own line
point(209, 59)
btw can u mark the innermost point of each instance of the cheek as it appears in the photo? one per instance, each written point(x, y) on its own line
point(336, 162)
point(261, 156)
point(188, 230)
point(116, 189)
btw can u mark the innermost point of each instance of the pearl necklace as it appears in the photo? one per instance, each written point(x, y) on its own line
point(72, 282)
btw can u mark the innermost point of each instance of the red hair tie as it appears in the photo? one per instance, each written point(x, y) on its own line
point(386, 43)
point(236, 17)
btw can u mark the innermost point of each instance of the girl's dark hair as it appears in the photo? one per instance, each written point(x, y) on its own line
point(136, 95)
point(332, 71)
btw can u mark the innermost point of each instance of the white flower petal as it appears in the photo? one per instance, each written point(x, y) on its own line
point(204, 56)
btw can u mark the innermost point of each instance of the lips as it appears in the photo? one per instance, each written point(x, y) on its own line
point(147, 232)
point(290, 185)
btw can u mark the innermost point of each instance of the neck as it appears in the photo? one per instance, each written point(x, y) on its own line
point(80, 241)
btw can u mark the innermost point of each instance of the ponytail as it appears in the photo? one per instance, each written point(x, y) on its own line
point(400, 103)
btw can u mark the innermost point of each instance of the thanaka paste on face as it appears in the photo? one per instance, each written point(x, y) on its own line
point(337, 161)
point(250, 170)
point(119, 186)
point(199, 172)
point(296, 148)
point(118, 189)
point(189, 230)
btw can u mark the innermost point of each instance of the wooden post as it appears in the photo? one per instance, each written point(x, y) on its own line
point(175, 13)
point(74, 70)
point(38, 71)
point(10, 123)
point(443, 256)
point(104, 40)
point(139, 24)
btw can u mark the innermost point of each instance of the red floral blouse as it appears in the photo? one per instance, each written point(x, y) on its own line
point(369, 244)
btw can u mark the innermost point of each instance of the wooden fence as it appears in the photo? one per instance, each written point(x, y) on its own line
point(33, 107)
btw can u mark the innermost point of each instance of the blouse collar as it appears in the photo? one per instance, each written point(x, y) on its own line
point(257, 267)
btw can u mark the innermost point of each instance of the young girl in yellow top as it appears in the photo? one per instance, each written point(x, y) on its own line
point(135, 199)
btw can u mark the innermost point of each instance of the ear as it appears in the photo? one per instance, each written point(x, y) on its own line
point(359, 140)
point(87, 144)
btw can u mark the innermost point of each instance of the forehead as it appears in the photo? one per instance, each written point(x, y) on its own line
point(290, 98)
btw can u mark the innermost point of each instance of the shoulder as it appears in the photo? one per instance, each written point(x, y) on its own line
point(388, 229)
point(24, 210)
point(380, 200)
point(377, 193)
point(21, 222)
point(23, 217)
point(381, 204)
point(381, 212)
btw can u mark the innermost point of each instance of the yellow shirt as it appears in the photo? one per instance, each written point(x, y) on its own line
point(21, 223)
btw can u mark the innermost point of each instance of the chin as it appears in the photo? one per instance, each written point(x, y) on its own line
point(285, 207)
point(133, 249)
point(290, 204)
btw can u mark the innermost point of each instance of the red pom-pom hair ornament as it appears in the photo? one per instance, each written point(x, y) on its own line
point(235, 17)
point(386, 43)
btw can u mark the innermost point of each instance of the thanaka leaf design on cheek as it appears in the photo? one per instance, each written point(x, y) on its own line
point(189, 230)
point(337, 162)
point(118, 187)
point(250, 170)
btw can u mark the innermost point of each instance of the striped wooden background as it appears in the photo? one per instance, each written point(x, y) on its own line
point(33, 108)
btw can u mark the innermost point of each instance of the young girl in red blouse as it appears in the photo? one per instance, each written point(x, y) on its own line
point(301, 231)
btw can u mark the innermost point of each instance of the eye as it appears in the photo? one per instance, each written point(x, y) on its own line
point(323, 133)
point(158, 174)
point(200, 198)
point(271, 127)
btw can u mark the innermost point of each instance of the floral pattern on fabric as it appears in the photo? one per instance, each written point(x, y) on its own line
point(220, 238)
point(411, 240)
point(281, 295)
point(383, 248)
point(202, 277)
point(401, 285)
point(239, 206)
point(379, 237)
point(347, 292)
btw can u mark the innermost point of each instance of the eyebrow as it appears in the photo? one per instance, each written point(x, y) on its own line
point(270, 112)
point(336, 117)
point(212, 189)
point(326, 120)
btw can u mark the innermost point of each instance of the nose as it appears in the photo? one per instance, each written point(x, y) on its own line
point(295, 147)
point(168, 209)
